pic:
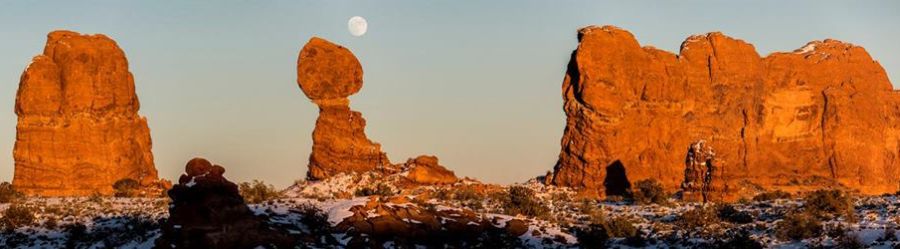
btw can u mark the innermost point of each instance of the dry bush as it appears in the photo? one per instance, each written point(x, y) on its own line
point(8, 193)
point(772, 195)
point(17, 216)
point(469, 197)
point(380, 189)
point(698, 217)
point(596, 234)
point(126, 187)
point(798, 226)
point(828, 204)
point(258, 191)
point(727, 212)
point(521, 200)
point(649, 191)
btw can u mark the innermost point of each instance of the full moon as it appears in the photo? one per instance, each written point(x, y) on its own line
point(357, 26)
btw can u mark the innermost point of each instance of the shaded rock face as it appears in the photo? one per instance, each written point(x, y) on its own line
point(425, 170)
point(406, 224)
point(328, 74)
point(78, 128)
point(207, 211)
point(823, 115)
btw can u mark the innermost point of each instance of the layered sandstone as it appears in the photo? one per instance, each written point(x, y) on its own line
point(425, 170)
point(824, 115)
point(328, 74)
point(78, 128)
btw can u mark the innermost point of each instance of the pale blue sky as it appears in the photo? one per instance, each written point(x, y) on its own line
point(476, 83)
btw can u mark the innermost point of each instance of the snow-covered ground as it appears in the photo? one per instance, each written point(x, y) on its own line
point(134, 222)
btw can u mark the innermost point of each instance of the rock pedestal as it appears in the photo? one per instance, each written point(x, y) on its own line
point(328, 74)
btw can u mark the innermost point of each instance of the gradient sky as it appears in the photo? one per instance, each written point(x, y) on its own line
point(476, 83)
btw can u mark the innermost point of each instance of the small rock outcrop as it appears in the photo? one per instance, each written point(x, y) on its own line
point(824, 115)
point(207, 211)
point(328, 74)
point(425, 170)
point(699, 173)
point(398, 219)
point(78, 129)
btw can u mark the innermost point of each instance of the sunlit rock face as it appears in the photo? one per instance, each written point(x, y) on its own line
point(78, 128)
point(824, 115)
point(328, 74)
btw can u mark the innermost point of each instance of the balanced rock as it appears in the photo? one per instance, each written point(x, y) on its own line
point(425, 170)
point(207, 211)
point(824, 115)
point(78, 128)
point(328, 74)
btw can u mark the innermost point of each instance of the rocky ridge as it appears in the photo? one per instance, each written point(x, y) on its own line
point(824, 115)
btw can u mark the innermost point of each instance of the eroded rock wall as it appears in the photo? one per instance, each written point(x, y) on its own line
point(78, 129)
point(824, 115)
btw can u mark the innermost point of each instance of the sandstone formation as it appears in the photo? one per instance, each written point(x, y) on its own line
point(824, 115)
point(399, 220)
point(78, 128)
point(425, 170)
point(328, 74)
point(207, 211)
point(700, 172)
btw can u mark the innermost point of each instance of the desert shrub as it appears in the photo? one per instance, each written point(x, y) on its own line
point(739, 240)
point(379, 189)
point(798, 226)
point(521, 200)
point(727, 212)
point(772, 195)
point(596, 234)
point(8, 193)
point(469, 197)
point(258, 191)
point(621, 227)
point(593, 213)
point(698, 217)
point(126, 187)
point(592, 236)
point(890, 234)
point(493, 237)
point(17, 216)
point(849, 241)
point(314, 218)
point(826, 204)
point(96, 197)
point(649, 191)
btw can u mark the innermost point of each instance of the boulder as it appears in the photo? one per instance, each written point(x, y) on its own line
point(207, 211)
point(824, 115)
point(425, 170)
point(78, 129)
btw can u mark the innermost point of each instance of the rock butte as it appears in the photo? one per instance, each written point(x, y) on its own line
point(329, 73)
point(78, 129)
point(824, 115)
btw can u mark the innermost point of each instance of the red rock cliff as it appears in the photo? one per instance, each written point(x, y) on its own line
point(824, 115)
point(78, 129)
